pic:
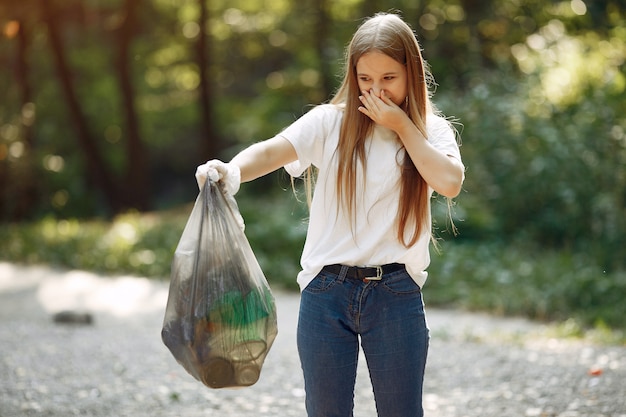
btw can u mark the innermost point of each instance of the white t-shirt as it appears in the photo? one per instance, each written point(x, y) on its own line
point(370, 239)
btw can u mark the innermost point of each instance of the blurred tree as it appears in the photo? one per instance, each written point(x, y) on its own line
point(133, 189)
point(18, 185)
point(544, 135)
point(211, 143)
point(323, 24)
point(96, 168)
point(153, 87)
point(136, 187)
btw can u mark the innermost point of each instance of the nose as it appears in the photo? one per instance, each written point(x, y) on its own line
point(376, 89)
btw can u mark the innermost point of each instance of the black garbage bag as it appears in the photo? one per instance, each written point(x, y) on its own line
point(220, 318)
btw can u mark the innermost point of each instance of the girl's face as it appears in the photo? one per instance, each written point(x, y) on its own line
point(377, 72)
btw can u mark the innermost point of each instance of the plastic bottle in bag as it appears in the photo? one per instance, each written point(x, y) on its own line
point(235, 367)
point(235, 343)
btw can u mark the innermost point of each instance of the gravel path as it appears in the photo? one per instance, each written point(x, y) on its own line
point(479, 366)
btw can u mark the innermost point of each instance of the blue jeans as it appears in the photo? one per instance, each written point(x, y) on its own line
point(388, 316)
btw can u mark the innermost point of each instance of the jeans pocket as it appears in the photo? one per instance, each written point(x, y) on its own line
point(401, 283)
point(322, 282)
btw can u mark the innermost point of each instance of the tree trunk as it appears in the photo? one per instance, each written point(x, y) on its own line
point(137, 187)
point(210, 143)
point(322, 28)
point(475, 11)
point(18, 192)
point(95, 167)
point(26, 197)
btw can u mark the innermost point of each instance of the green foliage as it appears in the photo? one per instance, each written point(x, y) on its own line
point(515, 279)
point(276, 231)
point(143, 244)
point(131, 243)
point(503, 278)
point(541, 165)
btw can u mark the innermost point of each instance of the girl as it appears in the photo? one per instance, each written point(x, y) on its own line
point(380, 151)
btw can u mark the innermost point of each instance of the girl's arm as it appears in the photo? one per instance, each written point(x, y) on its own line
point(264, 157)
point(442, 172)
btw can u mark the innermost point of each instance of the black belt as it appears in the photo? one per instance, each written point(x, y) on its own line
point(367, 273)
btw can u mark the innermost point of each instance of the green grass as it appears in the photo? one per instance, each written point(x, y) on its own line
point(498, 277)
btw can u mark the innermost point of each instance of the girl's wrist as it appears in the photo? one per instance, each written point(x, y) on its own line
point(407, 131)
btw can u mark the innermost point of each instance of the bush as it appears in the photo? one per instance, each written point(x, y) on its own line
point(518, 279)
point(547, 173)
point(143, 244)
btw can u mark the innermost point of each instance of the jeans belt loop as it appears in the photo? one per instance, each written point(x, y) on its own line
point(343, 272)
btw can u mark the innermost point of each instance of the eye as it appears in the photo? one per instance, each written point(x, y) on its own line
point(364, 79)
point(389, 77)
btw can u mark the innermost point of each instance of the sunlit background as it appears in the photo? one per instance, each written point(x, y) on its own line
point(108, 107)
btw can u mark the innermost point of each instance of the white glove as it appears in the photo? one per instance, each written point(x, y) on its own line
point(228, 175)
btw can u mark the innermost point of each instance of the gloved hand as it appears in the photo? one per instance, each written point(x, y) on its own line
point(228, 175)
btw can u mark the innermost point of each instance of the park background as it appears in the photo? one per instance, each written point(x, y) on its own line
point(108, 106)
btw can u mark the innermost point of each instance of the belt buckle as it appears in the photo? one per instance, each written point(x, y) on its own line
point(379, 275)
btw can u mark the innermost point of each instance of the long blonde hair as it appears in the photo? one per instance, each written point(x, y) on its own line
point(388, 34)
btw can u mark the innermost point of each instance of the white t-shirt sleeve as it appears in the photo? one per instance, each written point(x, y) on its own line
point(308, 135)
point(442, 136)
